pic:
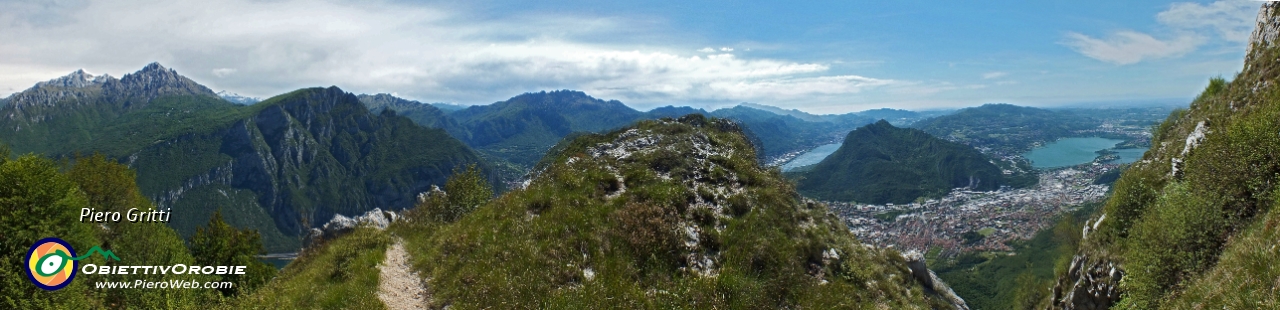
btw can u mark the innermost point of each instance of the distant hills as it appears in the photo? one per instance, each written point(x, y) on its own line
point(519, 130)
point(880, 163)
point(1006, 128)
point(277, 166)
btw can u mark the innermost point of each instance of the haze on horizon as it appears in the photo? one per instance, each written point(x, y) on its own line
point(831, 57)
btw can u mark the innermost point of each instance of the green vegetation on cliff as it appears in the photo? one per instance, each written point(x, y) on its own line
point(1187, 225)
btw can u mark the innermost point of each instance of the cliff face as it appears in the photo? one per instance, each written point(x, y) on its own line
point(304, 158)
point(1265, 31)
point(1185, 225)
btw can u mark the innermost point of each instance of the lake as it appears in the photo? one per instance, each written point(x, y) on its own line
point(1129, 155)
point(1074, 151)
point(811, 157)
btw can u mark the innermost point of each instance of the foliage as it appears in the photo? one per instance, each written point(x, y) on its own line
point(466, 190)
point(41, 202)
point(219, 244)
point(879, 163)
point(110, 186)
point(1178, 238)
point(1245, 276)
point(339, 274)
point(36, 201)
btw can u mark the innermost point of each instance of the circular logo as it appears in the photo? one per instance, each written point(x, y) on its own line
point(50, 265)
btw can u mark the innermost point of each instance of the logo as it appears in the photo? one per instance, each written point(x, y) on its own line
point(52, 263)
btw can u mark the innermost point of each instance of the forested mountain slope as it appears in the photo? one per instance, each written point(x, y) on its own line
point(879, 164)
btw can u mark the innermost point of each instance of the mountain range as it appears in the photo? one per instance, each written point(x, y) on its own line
point(1006, 128)
point(278, 166)
point(517, 131)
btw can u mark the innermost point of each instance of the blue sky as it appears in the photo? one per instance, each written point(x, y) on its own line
point(821, 57)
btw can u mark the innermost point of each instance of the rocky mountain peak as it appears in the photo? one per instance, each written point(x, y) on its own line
point(1267, 29)
point(154, 81)
point(76, 79)
point(77, 88)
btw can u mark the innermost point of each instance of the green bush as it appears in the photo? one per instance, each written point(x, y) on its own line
point(219, 244)
point(1245, 277)
point(465, 190)
point(1180, 236)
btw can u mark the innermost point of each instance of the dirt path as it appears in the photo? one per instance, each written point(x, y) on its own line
point(399, 286)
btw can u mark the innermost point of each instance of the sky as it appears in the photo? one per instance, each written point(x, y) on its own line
point(819, 57)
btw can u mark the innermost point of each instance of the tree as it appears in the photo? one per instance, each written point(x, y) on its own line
point(111, 186)
point(219, 244)
point(465, 190)
point(38, 202)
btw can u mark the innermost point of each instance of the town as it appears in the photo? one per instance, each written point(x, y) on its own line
point(998, 216)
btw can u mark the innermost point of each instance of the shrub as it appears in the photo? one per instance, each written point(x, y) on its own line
point(1181, 235)
point(465, 190)
point(219, 244)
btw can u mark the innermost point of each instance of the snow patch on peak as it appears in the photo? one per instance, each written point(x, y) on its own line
point(237, 98)
point(75, 79)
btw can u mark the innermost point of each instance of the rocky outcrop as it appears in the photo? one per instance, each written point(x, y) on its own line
point(341, 224)
point(1266, 31)
point(930, 281)
point(1091, 283)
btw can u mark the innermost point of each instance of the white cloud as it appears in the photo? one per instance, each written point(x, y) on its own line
point(992, 75)
point(263, 48)
point(223, 72)
point(1187, 24)
point(1232, 20)
point(1129, 47)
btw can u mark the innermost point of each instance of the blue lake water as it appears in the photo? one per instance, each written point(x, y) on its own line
point(1075, 151)
point(1129, 155)
point(811, 157)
